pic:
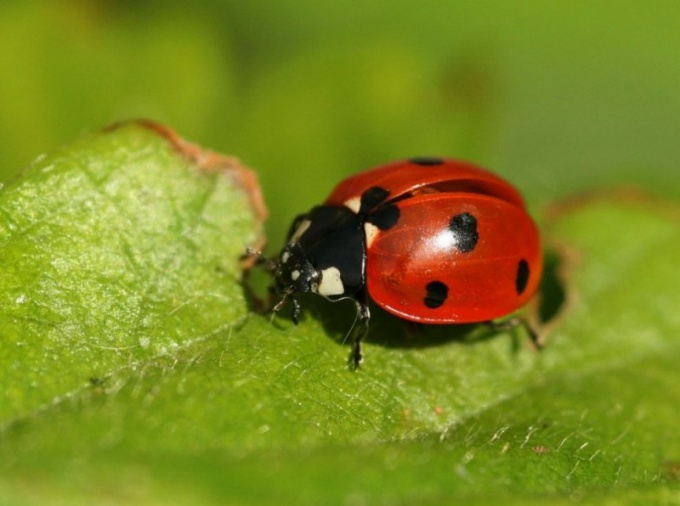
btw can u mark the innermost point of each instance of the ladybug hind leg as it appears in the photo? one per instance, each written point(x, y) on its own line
point(518, 321)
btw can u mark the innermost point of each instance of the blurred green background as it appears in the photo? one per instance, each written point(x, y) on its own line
point(557, 96)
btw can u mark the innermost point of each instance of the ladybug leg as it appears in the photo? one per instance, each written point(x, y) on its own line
point(518, 321)
point(359, 328)
point(296, 310)
point(285, 296)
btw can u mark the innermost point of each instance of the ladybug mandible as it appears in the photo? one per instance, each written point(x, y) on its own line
point(430, 240)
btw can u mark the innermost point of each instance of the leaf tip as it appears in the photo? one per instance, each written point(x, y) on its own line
point(210, 161)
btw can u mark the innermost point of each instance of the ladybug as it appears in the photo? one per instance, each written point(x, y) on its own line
point(430, 240)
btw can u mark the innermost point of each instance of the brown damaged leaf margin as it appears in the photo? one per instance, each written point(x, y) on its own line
point(210, 161)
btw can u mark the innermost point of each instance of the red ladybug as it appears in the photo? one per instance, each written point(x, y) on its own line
point(431, 240)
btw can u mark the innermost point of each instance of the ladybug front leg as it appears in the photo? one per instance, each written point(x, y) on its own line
point(286, 295)
point(295, 315)
point(359, 328)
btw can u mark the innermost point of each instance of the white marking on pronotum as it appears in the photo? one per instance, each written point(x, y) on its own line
point(294, 275)
point(302, 228)
point(285, 257)
point(331, 284)
point(371, 233)
point(354, 204)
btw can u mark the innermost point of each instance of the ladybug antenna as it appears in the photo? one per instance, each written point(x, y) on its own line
point(261, 260)
point(352, 327)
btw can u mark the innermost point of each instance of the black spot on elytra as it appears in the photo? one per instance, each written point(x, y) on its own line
point(426, 160)
point(464, 228)
point(436, 294)
point(385, 218)
point(372, 198)
point(522, 276)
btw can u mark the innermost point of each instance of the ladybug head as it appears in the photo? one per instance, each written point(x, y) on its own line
point(295, 271)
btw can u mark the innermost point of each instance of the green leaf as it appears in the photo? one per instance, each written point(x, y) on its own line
point(195, 402)
point(116, 250)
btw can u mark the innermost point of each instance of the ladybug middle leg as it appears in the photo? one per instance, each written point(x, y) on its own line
point(359, 328)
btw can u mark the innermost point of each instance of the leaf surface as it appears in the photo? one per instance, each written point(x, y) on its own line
point(133, 370)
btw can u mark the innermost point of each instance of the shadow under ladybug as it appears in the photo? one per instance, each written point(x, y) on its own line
point(390, 332)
